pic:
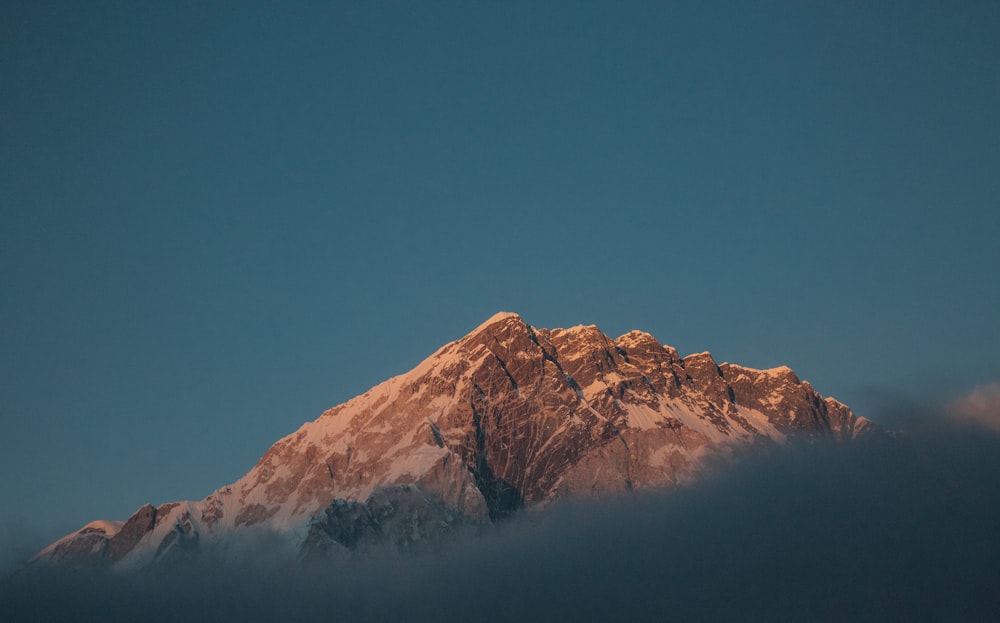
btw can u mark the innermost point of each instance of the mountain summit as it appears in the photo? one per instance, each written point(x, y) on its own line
point(505, 418)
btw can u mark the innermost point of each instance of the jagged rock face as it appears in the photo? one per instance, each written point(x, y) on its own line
point(400, 515)
point(507, 417)
point(141, 522)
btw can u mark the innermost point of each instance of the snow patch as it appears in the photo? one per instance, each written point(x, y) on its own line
point(413, 465)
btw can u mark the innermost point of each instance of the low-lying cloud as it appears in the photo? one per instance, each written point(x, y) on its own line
point(897, 528)
point(981, 407)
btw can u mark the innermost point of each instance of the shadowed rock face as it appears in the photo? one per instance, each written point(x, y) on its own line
point(141, 522)
point(400, 515)
point(507, 417)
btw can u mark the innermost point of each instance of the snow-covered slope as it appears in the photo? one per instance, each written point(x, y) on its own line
point(507, 417)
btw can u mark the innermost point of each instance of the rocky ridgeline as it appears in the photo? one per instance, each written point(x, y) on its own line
point(507, 417)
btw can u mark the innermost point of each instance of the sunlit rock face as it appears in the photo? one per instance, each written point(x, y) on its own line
point(507, 417)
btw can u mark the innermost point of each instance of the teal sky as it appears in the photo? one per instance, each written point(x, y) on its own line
point(219, 219)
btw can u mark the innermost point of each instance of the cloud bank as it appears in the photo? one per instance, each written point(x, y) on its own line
point(981, 406)
point(897, 528)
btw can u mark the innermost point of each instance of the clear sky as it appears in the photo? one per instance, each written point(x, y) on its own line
point(219, 219)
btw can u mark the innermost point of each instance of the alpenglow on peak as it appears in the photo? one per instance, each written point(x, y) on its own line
point(507, 417)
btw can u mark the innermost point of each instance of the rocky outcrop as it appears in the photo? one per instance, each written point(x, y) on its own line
point(86, 547)
point(140, 523)
point(510, 416)
point(401, 515)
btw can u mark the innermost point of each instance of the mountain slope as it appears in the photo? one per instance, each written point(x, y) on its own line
point(507, 417)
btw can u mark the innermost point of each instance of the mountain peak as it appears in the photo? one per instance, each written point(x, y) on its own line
point(507, 417)
point(495, 319)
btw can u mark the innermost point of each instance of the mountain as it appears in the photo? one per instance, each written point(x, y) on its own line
point(505, 418)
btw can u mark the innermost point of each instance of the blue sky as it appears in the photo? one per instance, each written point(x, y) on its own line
point(220, 219)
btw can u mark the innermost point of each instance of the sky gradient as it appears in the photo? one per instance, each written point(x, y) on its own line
point(219, 220)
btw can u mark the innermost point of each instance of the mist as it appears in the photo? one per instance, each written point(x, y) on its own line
point(899, 527)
